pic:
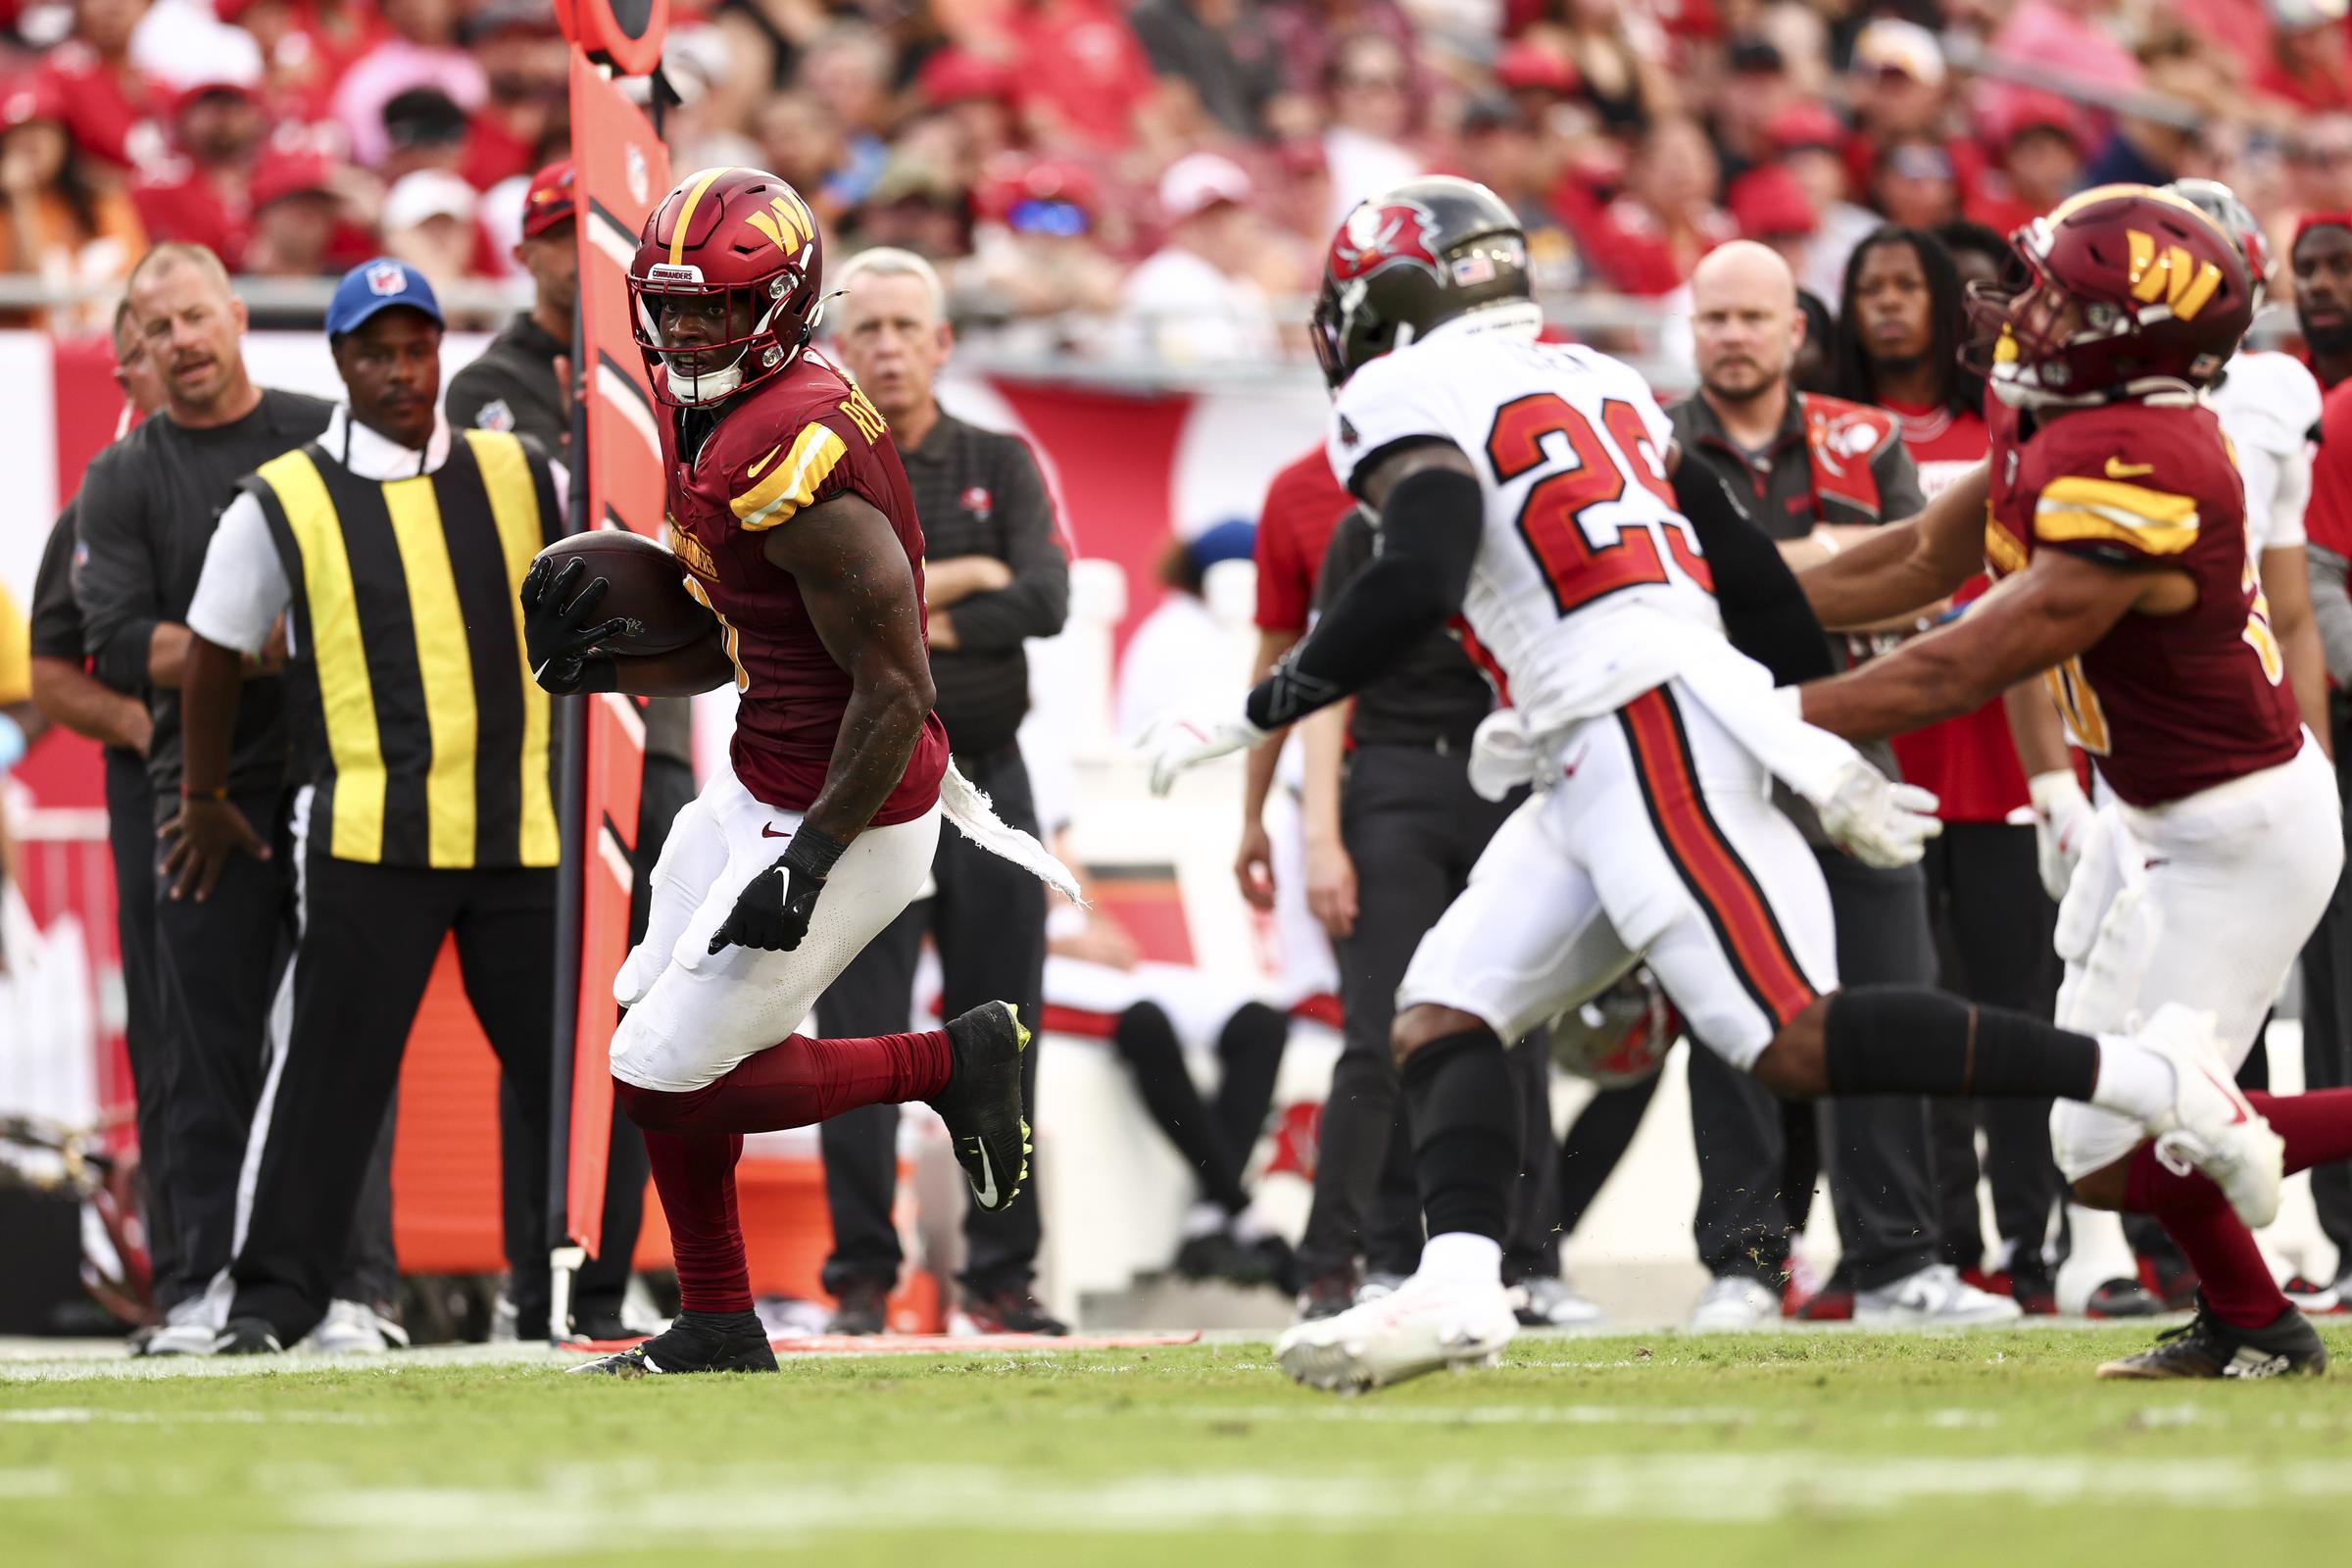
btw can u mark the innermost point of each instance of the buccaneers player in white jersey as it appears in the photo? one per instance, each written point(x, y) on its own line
point(1526, 490)
point(793, 525)
point(2117, 531)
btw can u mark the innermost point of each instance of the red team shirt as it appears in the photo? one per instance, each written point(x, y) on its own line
point(793, 440)
point(1302, 510)
point(1970, 761)
point(2170, 704)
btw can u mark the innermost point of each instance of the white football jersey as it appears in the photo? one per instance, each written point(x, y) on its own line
point(1589, 588)
point(2269, 406)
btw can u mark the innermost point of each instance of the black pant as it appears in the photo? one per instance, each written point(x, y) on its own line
point(1992, 925)
point(599, 1285)
point(1214, 1136)
point(369, 940)
point(1414, 828)
point(131, 836)
point(1876, 1144)
point(988, 918)
point(2327, 1021)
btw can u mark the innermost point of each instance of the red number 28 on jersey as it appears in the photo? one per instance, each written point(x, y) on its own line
point(1551, 517)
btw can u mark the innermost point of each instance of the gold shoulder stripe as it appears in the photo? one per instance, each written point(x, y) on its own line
point(2159, 507)
point(2155, 522)
point(2002, 550)
point(793, 483)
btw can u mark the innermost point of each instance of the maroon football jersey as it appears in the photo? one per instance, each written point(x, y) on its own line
point(2167, 705)
point(792, 441)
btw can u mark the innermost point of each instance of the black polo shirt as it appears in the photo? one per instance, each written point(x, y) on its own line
point(979, 493)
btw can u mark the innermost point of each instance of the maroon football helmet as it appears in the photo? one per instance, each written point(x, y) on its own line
point(2132, 291)
point(723, 287)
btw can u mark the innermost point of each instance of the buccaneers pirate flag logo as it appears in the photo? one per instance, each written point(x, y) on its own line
point(1378, 235)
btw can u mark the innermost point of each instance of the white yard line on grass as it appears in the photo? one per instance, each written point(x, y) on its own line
point(590, 1508)
point(75, 1415)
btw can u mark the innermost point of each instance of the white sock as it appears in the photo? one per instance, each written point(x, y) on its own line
point(1459, 1257)
point(1250, 1227)
point(2134, 1081)
point(1204, 1220)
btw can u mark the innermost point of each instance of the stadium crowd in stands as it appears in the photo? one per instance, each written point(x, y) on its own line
point(1186, 158)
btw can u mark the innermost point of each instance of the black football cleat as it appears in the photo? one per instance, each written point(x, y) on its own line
point(1327, 1296)
point(982, 1103)
point(697, 1342)
point(247, 1336)
point(2207, 1348)
point(863, 1308)
point(1013, 1310)
point(2123, 1298)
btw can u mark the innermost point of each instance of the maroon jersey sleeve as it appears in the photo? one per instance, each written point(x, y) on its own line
point(826, 445)
point(2135, 487)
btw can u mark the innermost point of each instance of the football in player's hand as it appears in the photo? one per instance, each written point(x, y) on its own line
point(645, 585)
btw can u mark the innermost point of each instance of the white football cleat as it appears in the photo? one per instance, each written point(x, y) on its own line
point(1935, 1296)
point(2211, 1126)
point(1425, 1325)
point(1732, 1304)
point(349, 1328)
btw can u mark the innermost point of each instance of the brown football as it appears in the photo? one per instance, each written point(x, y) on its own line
point(644, 582)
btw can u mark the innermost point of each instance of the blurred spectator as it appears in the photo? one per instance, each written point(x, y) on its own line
point(1900, 91)
point(848, 70)
point(1914, 184)
point(1770, 207)
point(1084, 80)
point(1194, 298)
point(305, 46)
point(1307, 32)
point(2321, 260)
point(528, 67)
point(1758, 93)
point(1808, 142)
point(2155, 152)
point(418, 50)
point(1370, 102)
point(429, 223)
point(1221, 54)
point(294, 217)
point(1501, 151)
point(801, 140)
point(765, 38)
point(424, 128)
point(976, 95)
point(2071, 32)
point(68, 223)
point(2319, 164)
point(1181, 638)
point(1648, 240)
point(205, 195)
point(108, 103)
point(1039, 254)
point(1617, 57)
point(2041, 165)
point(916, 207)
point(2307, 64)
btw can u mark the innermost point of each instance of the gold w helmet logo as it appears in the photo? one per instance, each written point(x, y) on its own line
point(786, 224)
point(2170, 275)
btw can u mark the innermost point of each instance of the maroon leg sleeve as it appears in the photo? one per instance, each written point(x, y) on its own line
point(695, 1174)
point(799, 1083)
point(2238, 1283)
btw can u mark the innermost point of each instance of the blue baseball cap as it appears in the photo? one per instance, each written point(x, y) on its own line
point(378, 286)
point(1233, 540)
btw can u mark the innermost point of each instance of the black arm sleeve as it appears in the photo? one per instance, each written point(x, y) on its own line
point(1429, 533)
point(1765, 613)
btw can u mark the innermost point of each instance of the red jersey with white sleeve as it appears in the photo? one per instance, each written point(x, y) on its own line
point(1968, 761)
point(792, 441)
point(2167, 705)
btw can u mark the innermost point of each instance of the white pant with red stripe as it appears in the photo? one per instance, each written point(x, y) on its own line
point(1661, 841)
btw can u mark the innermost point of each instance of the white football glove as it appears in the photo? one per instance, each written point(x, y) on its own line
point(2062, 819)
point(1877, 821)
point(1188, 736)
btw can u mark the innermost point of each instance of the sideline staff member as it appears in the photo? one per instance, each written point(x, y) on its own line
point(397, 553)
point(994, 574)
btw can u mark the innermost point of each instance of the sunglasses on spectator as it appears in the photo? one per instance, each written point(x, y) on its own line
point(1036, 217)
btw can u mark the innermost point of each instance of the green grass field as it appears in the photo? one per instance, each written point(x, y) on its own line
point(1813, 1448)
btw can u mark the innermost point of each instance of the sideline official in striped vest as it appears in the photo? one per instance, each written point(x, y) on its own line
point(394, 552)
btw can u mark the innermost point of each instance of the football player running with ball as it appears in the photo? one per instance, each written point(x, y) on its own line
point(793, 525)
point(1532, 490)
point(2117, 536)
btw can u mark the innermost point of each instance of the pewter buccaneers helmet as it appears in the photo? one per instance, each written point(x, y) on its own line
point(2132, 291)
point(739, 243)
point(1417, 255)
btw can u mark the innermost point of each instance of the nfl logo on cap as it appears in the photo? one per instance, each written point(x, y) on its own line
point(386, 277)
point(377, 285)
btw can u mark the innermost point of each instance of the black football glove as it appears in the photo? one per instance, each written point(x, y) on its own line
point(773, 913)
point(559, 637)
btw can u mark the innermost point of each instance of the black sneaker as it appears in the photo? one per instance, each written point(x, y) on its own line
point(864, 1308)
point(982, 1103)
point(2123, 1298)
point(697, 1342)
point(1327, 1296)
point(2207, 1348)
point(1209, 1256)
point(2035, 1290)
point(1011, 1311)
point(247, 1336)
point(601, 1325)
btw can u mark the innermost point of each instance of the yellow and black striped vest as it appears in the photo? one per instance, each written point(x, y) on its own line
point(416, 719)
